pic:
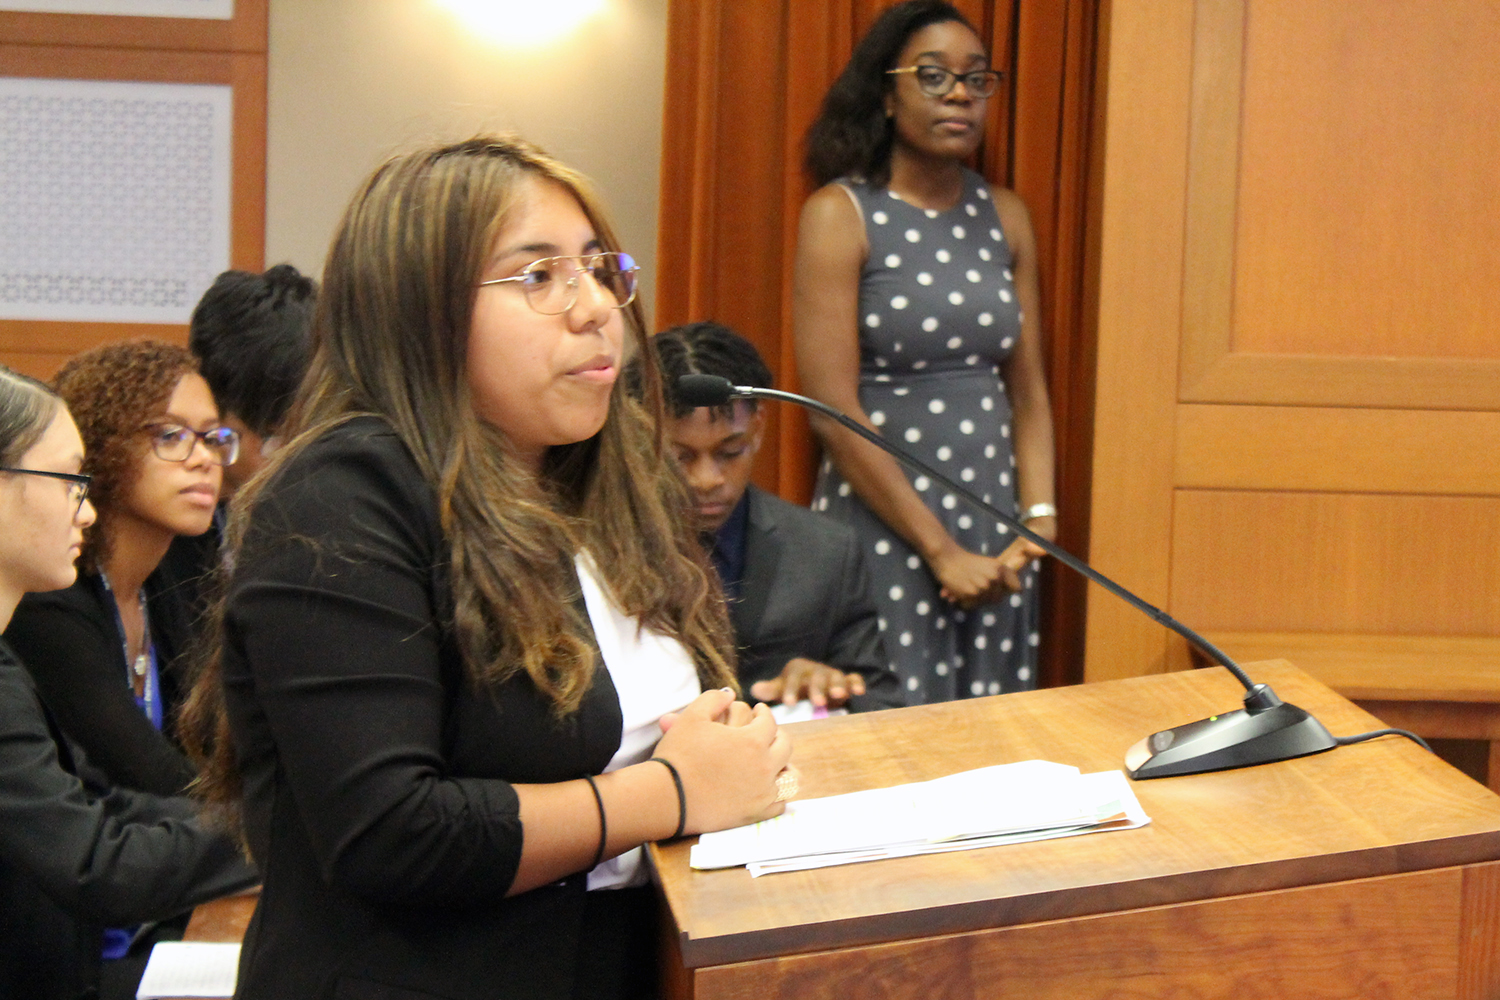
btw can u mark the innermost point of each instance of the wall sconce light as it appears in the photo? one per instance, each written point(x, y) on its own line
point(523, 22)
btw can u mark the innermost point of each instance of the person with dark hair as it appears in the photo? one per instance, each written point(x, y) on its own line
point(462, 646)
point(805, 627)
point(108, 653)
point(71, 859)
point(916, 312)
point(251, 336)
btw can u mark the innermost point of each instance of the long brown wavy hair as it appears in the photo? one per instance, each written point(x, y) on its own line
point(390, 339)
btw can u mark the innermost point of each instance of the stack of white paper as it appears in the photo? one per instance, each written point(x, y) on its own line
point(1004, 804)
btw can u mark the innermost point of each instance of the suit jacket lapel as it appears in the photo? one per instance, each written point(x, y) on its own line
point(762, 561)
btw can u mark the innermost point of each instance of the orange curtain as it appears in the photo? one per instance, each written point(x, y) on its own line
point(745, 78)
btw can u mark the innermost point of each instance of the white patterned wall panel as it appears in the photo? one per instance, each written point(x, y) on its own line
point(114, 198)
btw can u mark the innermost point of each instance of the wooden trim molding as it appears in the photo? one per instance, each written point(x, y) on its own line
point(1147, 87)
point(1339, 450)
point(244, 32)
point(1369, 667)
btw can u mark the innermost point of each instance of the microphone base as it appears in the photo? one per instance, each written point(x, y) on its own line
point(1266, 731)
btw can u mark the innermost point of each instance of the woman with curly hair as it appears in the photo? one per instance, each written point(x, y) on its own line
point(916, 311)
point(106, 652)
point(472, 656)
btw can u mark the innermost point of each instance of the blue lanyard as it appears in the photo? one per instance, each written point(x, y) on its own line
point(149, 701)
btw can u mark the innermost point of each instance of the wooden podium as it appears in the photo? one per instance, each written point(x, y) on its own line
point(1372, 870)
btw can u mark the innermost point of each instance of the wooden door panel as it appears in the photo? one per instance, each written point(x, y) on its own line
point(1340, 238)
point(1336, 562)
point(1367, 209)
point(1330, 291)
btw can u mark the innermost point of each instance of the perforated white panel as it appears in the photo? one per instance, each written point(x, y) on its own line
point(114, 198)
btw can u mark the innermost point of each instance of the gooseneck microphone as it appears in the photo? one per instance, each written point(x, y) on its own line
point(1264, 731)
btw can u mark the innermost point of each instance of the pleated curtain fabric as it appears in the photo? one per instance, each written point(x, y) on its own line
point(745, 78)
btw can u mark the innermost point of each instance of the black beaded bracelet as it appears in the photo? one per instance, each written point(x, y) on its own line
point(603, 826)
point(681, 796)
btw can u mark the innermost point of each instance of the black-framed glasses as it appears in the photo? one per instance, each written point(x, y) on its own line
point(935, 81)
point(551, 284)
point(174, 443)
point(78, 484)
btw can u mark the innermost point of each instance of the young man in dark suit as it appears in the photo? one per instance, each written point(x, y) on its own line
point(799, 601)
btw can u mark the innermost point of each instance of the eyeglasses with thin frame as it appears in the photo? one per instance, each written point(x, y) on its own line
point(78, 484)
point(935, 81)
point(551, 284)
point(174, 443)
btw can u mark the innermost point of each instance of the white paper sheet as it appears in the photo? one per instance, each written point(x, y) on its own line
point(803, 711)
point(1004, 804)
point(190, 969)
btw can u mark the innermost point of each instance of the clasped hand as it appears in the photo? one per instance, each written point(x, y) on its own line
point(729, 755)
point(969, 579)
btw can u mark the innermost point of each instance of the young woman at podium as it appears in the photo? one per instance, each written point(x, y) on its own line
point(465, 606)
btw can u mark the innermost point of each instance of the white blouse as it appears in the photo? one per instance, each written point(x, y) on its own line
point(653, 675)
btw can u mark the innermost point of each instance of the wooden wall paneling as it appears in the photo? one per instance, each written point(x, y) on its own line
point(1223, 361)
point(1443, 452)
point(244, 32)
point(40, 347)
point(1479, 944)
point(1368, 212)
point(1147, 83)
point(1181, 951)
point(1336, 562)
point(1333, 469)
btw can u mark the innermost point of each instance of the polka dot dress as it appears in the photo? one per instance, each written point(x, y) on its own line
point(937, 316)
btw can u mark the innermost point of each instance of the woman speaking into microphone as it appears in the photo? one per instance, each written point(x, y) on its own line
point(466, 605)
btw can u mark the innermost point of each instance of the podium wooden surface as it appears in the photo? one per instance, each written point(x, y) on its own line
point(1370, 870)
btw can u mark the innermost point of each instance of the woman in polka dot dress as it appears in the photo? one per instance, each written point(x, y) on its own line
point(915, 311)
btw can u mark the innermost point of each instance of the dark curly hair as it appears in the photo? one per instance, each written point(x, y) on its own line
point(704, 348)
point(112, 391)
point(852, 135)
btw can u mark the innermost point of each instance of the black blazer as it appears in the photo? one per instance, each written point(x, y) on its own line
point(72, 862)
point(378, 801)
point(70, 641)
point(805, 593)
